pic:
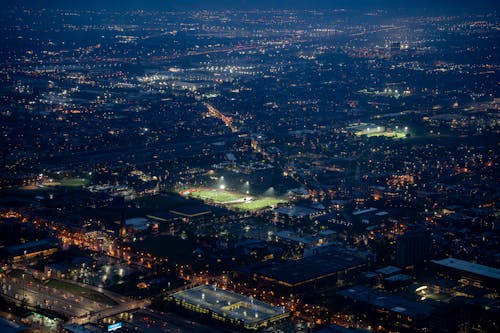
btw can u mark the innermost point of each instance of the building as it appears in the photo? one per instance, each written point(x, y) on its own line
point(229, 307)
point(397, 281)
point(8, 326)
point(412, 248)
point(193, 211)
point(32, 250)
point(330, 267)
point(138, 224)
point(388, 309)
point(469, 273)
point(67, 269)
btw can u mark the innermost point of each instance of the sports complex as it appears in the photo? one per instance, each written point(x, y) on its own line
point(373, 130)
point(381, 131)
point(233, 200)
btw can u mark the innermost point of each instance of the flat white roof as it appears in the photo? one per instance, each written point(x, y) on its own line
point(470, 267)
point(229, 304)
point(364, 211)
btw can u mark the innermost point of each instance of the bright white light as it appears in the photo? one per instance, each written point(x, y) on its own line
point(222, 187)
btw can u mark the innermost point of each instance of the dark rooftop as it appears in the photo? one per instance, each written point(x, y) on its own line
point(300, 271)
point(193, 210)
point(29, 247)
point(387, 301)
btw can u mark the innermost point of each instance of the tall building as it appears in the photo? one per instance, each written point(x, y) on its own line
point(413, 247)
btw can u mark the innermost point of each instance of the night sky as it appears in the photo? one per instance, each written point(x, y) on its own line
point(423, 5)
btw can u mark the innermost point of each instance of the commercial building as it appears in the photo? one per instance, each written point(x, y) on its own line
point(332, 267)
point(468, 272)
point(32, 250)
point(412, 248)
point(388, 309)
point(229, 307)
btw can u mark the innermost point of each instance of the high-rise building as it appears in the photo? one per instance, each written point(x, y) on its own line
point(413, 247)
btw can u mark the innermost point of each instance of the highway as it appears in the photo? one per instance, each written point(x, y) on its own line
point(80, 309)
point(94, 317)
point(39, 295)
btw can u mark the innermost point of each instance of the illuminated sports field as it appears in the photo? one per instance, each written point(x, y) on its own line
point(217, 196)
point(234, 200)
point(228, 306)
point(74, 182)
point(387, 134)
point(259, 203)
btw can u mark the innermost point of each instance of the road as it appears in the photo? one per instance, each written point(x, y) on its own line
point(80, 309)
point(153, 321)
point(108, 312)
point(39, 295)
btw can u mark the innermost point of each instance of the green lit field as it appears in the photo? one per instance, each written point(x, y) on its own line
point(387, 134)
point(74, 182)
point(232, 200)
point(217, 196)
point(258, 204)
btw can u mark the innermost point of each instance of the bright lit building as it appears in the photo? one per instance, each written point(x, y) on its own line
point(229, 307)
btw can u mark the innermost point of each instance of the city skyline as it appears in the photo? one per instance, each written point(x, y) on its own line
point(249, 166)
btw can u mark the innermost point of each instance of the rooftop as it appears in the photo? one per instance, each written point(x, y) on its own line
point(291, 236)
point(29, 247)
point(388, 301)
point(163, 216)
point(364, 211)
point(388, 270)
point(296, 211)
point(296, 272)
point(470, 267)
point(399, 278)
point(229, 304)
point(193, 210)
